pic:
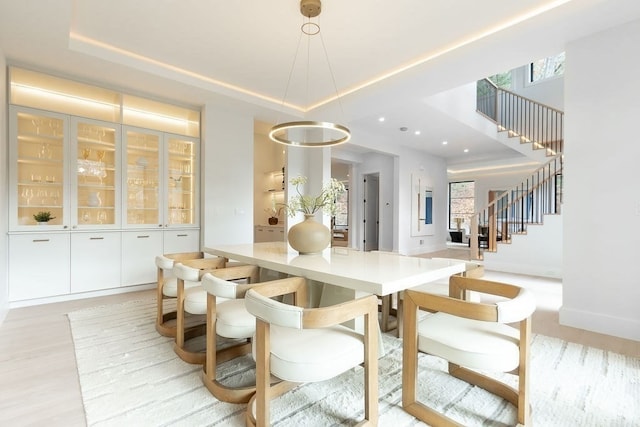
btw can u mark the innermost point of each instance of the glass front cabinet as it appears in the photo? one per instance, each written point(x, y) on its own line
point(115, 194)
point(161, 183)
point(71, 168)
point(39, 164)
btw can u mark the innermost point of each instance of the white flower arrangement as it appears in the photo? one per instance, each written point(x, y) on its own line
point(309, 205)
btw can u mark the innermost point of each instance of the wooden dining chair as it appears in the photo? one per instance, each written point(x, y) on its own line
point(441, 287)
point(471, 337)
point(191, 303)
point(228, 318)
point(299, 345)
point(167, 288)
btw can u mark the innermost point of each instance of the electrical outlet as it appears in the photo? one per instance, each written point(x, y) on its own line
point(421, 242)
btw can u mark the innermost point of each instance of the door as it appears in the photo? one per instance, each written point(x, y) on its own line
point(371, 211)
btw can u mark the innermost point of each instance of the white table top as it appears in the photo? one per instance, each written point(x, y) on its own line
point(379, 273)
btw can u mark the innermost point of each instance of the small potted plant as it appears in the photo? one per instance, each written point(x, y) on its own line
point(43, 217)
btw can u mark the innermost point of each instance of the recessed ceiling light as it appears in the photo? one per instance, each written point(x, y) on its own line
point(466, 150)
point(417, 132)
point(381, 119)
point(445, 142)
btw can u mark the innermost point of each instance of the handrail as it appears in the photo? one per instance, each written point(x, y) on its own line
point(530, 120)
point(513, 210)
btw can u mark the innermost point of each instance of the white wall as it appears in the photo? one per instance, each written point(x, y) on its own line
point(537, 253)
point(4, 135)
point(435, 171)
point(602, 201)
point(227, 177)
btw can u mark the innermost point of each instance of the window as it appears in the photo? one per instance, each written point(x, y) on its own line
point(461, 203)
point(546, 68)
point(502, 80)
point(342, 210)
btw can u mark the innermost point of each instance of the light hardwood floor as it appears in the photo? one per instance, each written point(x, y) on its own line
point(38, 375)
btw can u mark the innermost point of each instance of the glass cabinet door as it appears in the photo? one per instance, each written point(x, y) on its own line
point(142, 177)
point(182, 153)
point(38, 147)
point(96, 173)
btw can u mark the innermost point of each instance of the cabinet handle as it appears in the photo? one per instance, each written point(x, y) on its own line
point(40, 240)
point(270, 231)
point(143, 237)
point(96, 238)
point(182, 235)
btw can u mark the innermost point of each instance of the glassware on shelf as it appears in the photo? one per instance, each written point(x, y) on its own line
point(93, 199)
point(102, 217)
point(55, 127)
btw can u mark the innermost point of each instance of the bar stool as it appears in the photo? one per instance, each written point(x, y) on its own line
point(167, 288)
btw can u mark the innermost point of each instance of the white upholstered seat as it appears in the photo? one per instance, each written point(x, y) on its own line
point(471, 337)
point(167, 288)
point(227, 317)
point(192, 300)
point(297, 344)
point(441, 287)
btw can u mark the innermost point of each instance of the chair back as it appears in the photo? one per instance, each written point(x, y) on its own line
point(274, 312)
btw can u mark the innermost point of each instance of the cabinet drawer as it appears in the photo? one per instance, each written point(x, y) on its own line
point(139, 249)
point(181, 241)
point(95, 261)
point(38, 266)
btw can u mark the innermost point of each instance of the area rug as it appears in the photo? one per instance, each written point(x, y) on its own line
point(130, 376)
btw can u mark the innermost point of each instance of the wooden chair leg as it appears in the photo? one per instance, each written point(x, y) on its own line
point(213, 357)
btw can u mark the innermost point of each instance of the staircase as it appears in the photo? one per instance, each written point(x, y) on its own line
point(540, 194)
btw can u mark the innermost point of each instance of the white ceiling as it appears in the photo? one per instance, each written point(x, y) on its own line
point(386, 56)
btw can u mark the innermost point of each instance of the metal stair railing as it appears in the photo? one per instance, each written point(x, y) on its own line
point(531, 121)
point(513, 210)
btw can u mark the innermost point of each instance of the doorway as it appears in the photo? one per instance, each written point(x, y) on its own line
point(371, 217)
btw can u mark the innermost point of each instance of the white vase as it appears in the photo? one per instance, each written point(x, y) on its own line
point(93, 199)
point(309, 236)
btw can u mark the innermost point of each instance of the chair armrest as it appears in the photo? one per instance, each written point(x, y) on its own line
point(457, 307)
point(218, 282)
point(185, 256)
point(235, 272)
point(206, 263)
point(258, 299)
point(334, 315)
point(458, 284)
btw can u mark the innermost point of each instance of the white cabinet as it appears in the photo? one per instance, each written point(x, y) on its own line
point(39, 265)
point(181, 241)
point(268, 233)
point(95, 261)
point(115, 172)
point(139, 249)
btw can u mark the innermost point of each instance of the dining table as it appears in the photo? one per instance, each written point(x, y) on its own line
point(343, 273)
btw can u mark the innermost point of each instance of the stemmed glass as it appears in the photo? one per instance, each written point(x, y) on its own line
point(37, 123)
point(102, 217)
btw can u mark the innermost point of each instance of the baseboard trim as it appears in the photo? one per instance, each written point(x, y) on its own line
point(517, 268)
point(601, 323)
point(82, 295)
